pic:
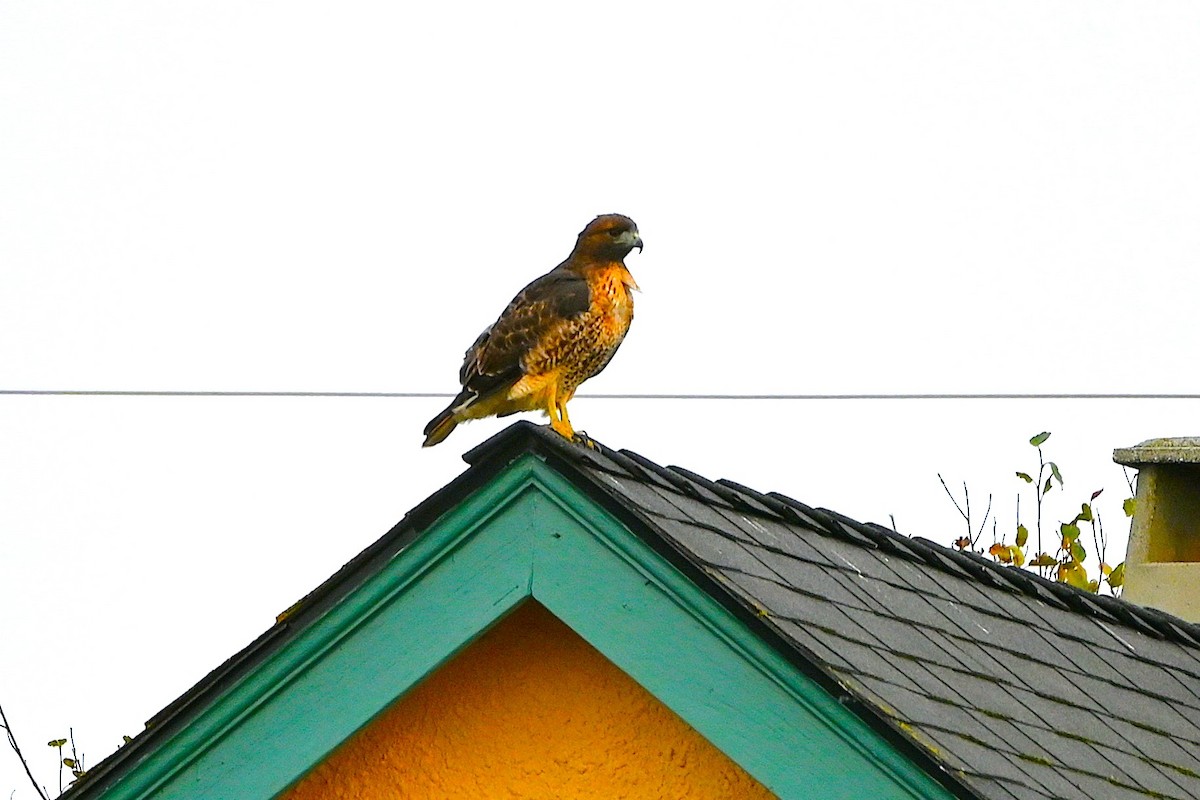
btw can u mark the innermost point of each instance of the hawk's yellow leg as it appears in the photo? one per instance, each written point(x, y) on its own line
point(566, 419)
point(570, 433)
point(557, 411)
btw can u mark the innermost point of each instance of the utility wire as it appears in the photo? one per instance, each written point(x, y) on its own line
point(615, 396)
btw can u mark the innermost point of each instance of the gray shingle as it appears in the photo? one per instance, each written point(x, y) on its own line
point(1176, 751)
point(1093, 787)
point(812, 578)
point(1133, 770)
point(1153, 679)
point(971, 757)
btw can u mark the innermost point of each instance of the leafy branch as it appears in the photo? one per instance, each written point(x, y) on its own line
point(1066, 563)
point(74, 762)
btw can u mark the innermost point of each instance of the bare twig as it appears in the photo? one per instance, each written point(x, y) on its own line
point(964, 514)
point(983, 524)
point(79, 768)
point(1038, 496)
point(12, 742)
point(1101, 542)
point(967, 516)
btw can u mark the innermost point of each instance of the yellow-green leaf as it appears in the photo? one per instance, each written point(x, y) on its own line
point(1105, 569)
point(56, 742)
point(1043, 560)
point(1039, 440)
point(1085, 514)
point(1117, 578)
point(1070, 532)
point(1073, 574)
point(1046, 488)
point(1017, 555)
point(69, 762)
point(1025, 476)
point(1130, 506)
point(1055, 473)
point(1077, 551)
point(1022, 535)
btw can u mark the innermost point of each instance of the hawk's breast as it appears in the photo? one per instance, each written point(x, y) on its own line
point(603, 327)
point(575, 348)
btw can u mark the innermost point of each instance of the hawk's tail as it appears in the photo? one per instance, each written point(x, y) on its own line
point(440, 426)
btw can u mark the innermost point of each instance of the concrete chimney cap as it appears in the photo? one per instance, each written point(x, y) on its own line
point(1173, 450)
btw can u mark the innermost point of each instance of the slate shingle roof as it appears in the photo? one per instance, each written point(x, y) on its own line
point(1016, 686)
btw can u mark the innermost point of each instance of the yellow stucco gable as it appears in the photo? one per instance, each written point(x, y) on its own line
point(529, 711)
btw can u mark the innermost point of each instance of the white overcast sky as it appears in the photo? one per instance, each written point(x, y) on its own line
point(836, 197)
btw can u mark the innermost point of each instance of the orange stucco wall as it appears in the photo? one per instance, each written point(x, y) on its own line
point(528, 711)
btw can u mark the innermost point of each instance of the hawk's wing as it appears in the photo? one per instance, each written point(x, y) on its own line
point(495, 360)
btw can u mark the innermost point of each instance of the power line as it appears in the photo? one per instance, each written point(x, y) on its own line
point(613, 396)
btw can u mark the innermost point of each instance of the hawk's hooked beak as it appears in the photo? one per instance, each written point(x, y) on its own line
point(632, 239)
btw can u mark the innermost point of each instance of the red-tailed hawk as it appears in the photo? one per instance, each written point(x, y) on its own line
point(556, 333)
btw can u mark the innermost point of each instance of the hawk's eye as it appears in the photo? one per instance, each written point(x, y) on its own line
point(614, 233)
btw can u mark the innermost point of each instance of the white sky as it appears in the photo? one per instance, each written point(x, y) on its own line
point(835, 197)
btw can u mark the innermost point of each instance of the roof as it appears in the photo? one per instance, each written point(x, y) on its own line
point(1001, 683)
point(1026, 687)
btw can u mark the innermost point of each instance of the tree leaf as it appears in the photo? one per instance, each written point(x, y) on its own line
point(1070, 532)
point(1130, 506)
point(1044, 560)
point(1055, 473)
point(69, 762)
point(1105, 569)
point(998, 551)
point(1025, 476)
point(1117, 578)
point(1039, 440)
point(1022, 535)
point(1097, 493)
point(962, 542)
point(1077, 551)
point(1085, 514)
point(1017, 555)
point(1073, 574)
point(1046, 488)
point(56, 742)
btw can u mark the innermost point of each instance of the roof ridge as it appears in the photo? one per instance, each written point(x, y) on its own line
point(1107, 609)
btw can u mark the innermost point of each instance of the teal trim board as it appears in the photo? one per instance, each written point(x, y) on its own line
point(527, 532)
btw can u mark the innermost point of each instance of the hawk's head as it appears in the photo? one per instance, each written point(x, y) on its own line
point(609, 237)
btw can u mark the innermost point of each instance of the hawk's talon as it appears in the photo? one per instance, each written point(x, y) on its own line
point(582, 438)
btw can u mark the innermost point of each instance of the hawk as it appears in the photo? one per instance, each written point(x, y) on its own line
point(556, 333)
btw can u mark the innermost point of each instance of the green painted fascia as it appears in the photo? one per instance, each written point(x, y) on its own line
point(528, 532)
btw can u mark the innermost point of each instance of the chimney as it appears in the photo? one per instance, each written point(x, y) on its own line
point(1162, 565)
